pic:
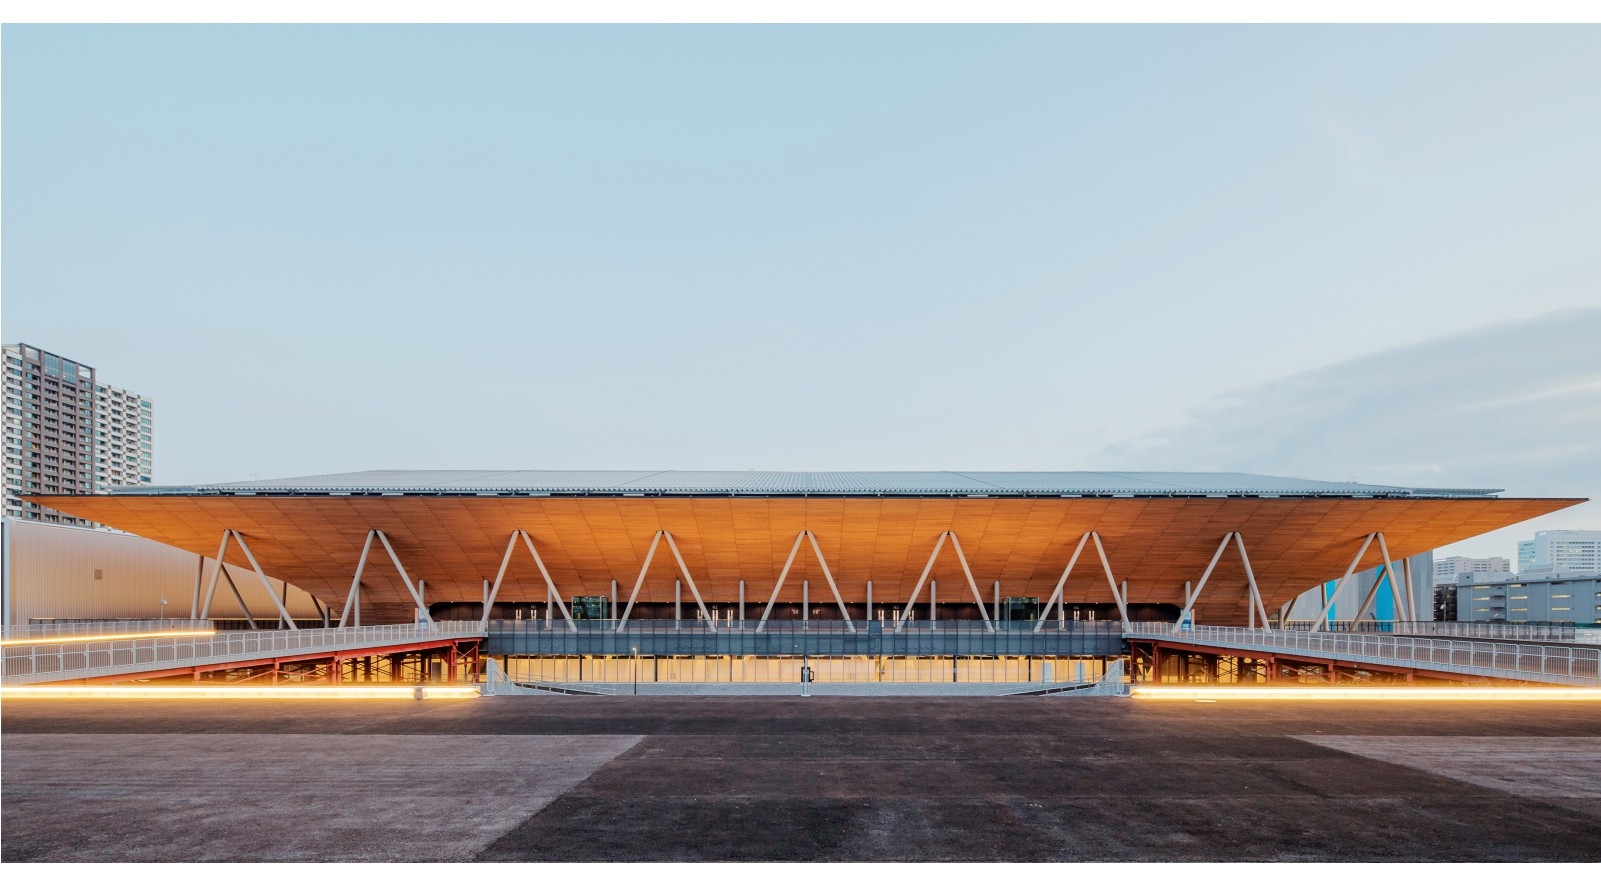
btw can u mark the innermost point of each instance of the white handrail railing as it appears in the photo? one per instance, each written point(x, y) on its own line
point(1517, 661)
point(70, 659)
point(44, 630)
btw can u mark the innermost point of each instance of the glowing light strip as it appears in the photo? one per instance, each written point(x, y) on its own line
point(1361, 693)
point(321, 692)
point(59, 639)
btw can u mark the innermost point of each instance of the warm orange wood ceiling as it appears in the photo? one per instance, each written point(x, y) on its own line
point(456, 542)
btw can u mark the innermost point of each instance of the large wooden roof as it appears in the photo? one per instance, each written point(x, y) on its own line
point(456, 541)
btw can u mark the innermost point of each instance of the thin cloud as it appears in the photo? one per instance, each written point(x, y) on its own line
point(1516, 406)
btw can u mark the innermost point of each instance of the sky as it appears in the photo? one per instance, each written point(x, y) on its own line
point(1331, 252)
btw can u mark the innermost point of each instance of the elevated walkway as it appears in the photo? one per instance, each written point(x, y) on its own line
point(1448, 657)
point(80, 652)
point(819, 638)
point(86, 656)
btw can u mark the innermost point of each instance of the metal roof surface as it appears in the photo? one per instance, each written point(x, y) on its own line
point(908, 483)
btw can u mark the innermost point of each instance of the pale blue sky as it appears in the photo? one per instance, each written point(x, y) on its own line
point(975, 248)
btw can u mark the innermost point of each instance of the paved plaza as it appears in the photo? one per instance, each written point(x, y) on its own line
point(837, 779)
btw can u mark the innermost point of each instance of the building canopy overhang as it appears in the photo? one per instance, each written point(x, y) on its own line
point(451, 530)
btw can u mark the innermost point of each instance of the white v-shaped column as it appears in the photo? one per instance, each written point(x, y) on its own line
point(972, 585)
point(1328, 609)
point(1373, 592)
point(1056, 595)
point(551, 591)
point(353, 599)
point(416, 593)
point(211, 589)
point(683, 570)
point(806, 534)
point(1253, 606)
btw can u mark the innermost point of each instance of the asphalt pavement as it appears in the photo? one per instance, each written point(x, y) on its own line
point(815, 779)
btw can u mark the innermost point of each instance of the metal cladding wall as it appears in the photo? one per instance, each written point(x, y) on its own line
point(69, 572)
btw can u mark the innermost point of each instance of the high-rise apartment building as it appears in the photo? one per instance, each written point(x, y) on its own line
point(124, 449)
point(66, 433)
point(1560, 551)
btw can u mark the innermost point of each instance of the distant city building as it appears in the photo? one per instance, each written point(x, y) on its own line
point(124, 454)
point(1558, 597)
point(1560, 550)
point(1525, 555)
point(1455, 570)
point(67, 433)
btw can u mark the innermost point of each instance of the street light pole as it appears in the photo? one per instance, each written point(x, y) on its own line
point(635, 651)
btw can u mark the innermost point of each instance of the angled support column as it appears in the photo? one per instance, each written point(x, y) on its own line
point(415, 594)
point(249, 619)
point(1255, 602)
point(1373, 592)
point(654, 541)
point(1369, 600)
point(971, 584)
point(1323, 620)
point(266, 585)
point(1122, 604)
point(353, 599)
point(1056, 595)
point(222, 570)
point(782, 574)
point(1189, 600)
point(838, 600)
point(492, 590)
point(211, 586)
point(551, 592)
point(1411, 598)
point(918, 588)
point(1395, 587)
point(690, 579)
